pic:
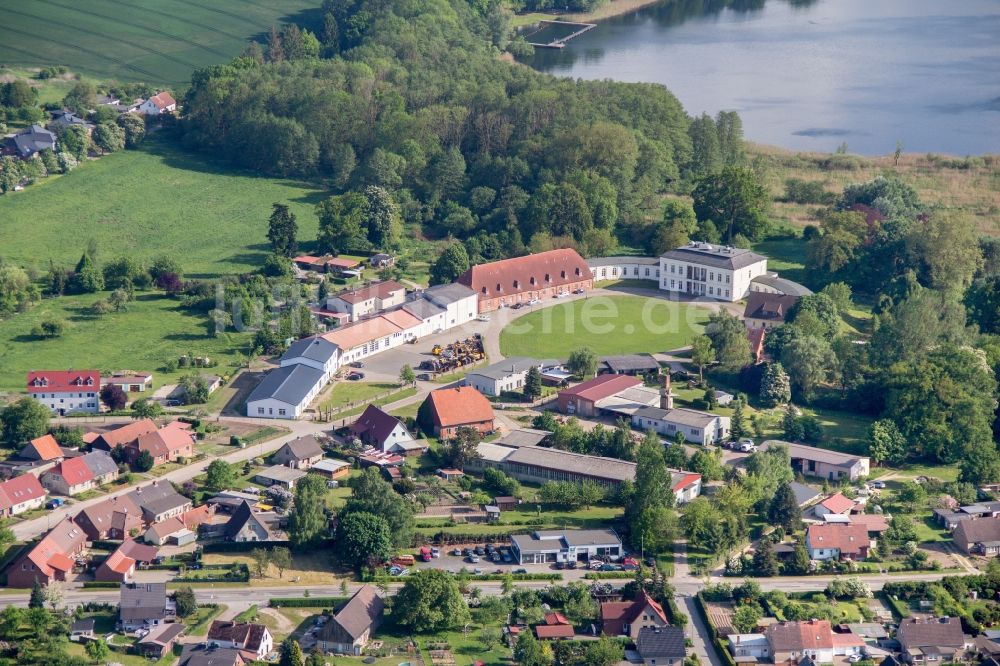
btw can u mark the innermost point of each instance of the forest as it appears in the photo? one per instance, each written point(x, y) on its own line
point(422, 99)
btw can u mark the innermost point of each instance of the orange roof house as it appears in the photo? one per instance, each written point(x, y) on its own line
point(70, 477)
point(837, 503)
point(51, 559)
point(20, 494)
point(42, 448)
point(837, 541)
point(124, 435)
point(555, 626)
point(626, 618)
point(447, 410)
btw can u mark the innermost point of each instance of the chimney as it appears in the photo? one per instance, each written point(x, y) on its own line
point(666, 397)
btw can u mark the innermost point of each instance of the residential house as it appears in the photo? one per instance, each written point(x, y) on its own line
point(66, 391)
point(331, 469)
point(823, 463)
point(38, 456)
point(580, 400)
point(661, 646)
point(165, 445)
point(114, 518)
point(764, 310)
point(143, 605)
point(770, 283)
point(246, 525)
point(978, 537)
point(160, 640)
point(160, 103)
point(506, 376)
point(358, 303)
point(449, 409)
point(172, 531)
point(744, 647)
point(837, 542)
point(385, 432)
point(792, 642)
point(931, 640)
point(102, 466)
point(554, 626)
point(254, 640)
point(33, 140)
point(285, 392)
point(123, 435)
point(199, 654)
point(279, 475)
point(381, 260)
point(70, 477)
point(20, 494)
point(82, 630)
point(628, 618)
point(529, 278)
point(720, 272)
point(42, 448)
point(52, 558)
point(698, 427)
point(65, 118)
point(159, 501)
point(314, 352)
point(543, 546)
point(129, 382)
point(300, 453)
point(836, 504)
point(628, 364)
point(625, 268)
point(120, 565)
point(350, 628)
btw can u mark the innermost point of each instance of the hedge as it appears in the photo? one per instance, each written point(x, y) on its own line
point(101, 584)
point(718, 642)
point(307, 602)
point(247, 546)
point(482, 578)
point(609, 575)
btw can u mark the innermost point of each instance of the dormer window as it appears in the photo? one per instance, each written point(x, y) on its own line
point(517, 284)
point(562, 274)
point(532, 281)
point(548, 278)
point(578, 272)
point(90, 381)
point(499, 287)
point(484, 289)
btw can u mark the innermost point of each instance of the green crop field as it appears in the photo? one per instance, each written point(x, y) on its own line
point(606, 324)
point(156, 41)
point(152, 331)
point(158, 200)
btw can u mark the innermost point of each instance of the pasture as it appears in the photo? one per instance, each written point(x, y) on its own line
point(156, 41)
point(148, 202)
point(607, 324)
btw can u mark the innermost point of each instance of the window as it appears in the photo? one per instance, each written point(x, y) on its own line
point(484, 290)
point(531, 281)
point(727, 292)
point(709, 291)
point(727, 279)
point(281, 412)
point(672, 268)
point(635, 271)
point(499, 288)
point(578, 272)
point(647, 272)
point(548, 278)
point(517, 284)
point(562, 274)
point(711, 276)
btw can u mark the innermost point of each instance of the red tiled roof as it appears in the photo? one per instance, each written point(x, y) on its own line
point(309, 259)
point(544, 631)
point(688, 479)
point(168, 527)
point(196, 516)
point(127, 433)
point(378, 290)
point(838, 503)
point(63, 381)
point(46, 447)
point(602, 386)
point(162, 100)
point(795, 636)
point(355, 335)
point(871, 521)
point(848, 539)
point(19, 490)
point(556, 618)
point(498, 278)
point(74, 470)
point(616, 614)
point(459, 406)
point(402, 318)
point(90, 437)
point(55, 548)
point(164, 441)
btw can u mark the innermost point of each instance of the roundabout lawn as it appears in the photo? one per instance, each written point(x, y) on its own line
point(607, 324)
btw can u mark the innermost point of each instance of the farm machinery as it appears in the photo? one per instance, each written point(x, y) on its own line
point(455, 355)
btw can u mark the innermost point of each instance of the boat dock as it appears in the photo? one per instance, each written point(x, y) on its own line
point(561, 41)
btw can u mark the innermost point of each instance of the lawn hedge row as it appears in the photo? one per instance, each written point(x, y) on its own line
point(609, 575)
point(247, 546)
point(306, 602)
point(100, 584)
point(483, 578)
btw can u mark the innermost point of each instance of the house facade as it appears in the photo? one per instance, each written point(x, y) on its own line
point(248, 637)
point(524, 279)
point(702, 428)
point(454, 408)
point(625, 268)
point(823, 463)
point(837, 541)
point(931, 640)
point(358, 303)
point(161, 102)
point(314, 352)
point(20, 494)
point(70, 477)
point(285, 392)
point(66, 391)
point(300, 453)
point(631, 618)
point(508, 375)
point(382, 430)
point(53, 558)
point(792, 642)
point(719, 272)
point(544, 546)
point(979, 536)
point(351, 628)
point(143, 605)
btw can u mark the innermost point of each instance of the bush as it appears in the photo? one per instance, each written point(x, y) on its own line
point(307, 602)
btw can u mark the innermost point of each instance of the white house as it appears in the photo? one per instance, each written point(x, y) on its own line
point(748, 645)
point(507, 375)
point(161, 102)
point(697, 427)
point(285, 392)
point(377, 334)
point(459, 301)
point(625, 268)
point(313, 352)
point(66, 391)
point(714, 271)
point(377, 297)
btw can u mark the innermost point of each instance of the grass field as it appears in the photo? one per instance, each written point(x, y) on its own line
point(142, 339)
point(158, 200)
point(606, 324)
point(156, 41)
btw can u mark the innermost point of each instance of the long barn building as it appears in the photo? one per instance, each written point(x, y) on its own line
point(507, 282)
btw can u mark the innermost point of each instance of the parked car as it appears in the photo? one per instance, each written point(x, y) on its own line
point(357, 364)
point(854, 658)
point(578, 291)
point(396, 570)
point(435, 552)
point(878, 484)
point(477, 571)
point(517, 306)
point(533, 301)
point(747, 446)
point(467, 551)
point(355, 376)
point(496, 557)
point(520, 571)
point(472, 559)
point(483, 317)
point(480, 551)
point(609, 567)
point(560, 565)
point(507, 558)
point(55, 503)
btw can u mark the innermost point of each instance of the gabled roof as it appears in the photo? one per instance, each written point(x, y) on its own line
point(601, 386)
point(934, 632)
point(34, 139)
point(358, 333)
point(127, 433)
point(873, 522)
point(314, 349)
point(42, 448)
point(459, 406)
point(803, 493)
point(19, 490)
point(125, 557)
point(158, 497)
point(241, 516)
point(168, 527)
point(662, 643)
point(498, 278)
point(74, 471)
point(514, 365)
point(797, 636)
point(444, 295)
point(978, 531)
point(550, 631)
point(378, 290)
point(289, 384)
point(302, 448)
point(356, 617)
point(771, 307)
point(848, 539)
point(56, 547)
point(162, 100)
point(100, 463)
point(837, 503)
point(163, 634)
point(375, 423)
point(63, 381)
point(143, 601)
point(616, 614)
point(171, 438)
point(248, 634)
point(630, 363)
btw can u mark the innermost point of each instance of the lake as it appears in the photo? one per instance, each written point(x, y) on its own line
point(812, 75)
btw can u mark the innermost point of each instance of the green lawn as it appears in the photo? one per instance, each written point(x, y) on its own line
point(347, 394)
point(142, 339)
point(155, 41)
point(606, 324)
point(153, 201)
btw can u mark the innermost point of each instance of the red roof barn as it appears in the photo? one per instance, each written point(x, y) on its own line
point(521, 279)
point(580, 399)
point(449, 409)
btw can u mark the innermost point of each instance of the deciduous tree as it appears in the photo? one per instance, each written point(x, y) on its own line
point(582, 362)
point(308, 524)
point(431, 601)
point(363, 539)
point(113, 397)
point(282, 230)
point(24, 420)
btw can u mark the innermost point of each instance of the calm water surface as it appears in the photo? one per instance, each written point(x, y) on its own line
point(812, 75)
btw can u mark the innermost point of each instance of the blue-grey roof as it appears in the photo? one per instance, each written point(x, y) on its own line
point(803, 493)
point(782, 285)
point(315, 349)
point(33, 140)
point(423, 308)
point(446, 294)
point(100, 463)
point(290, 384)
point(507, 367)
point(716, 256)
point(68, 118)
